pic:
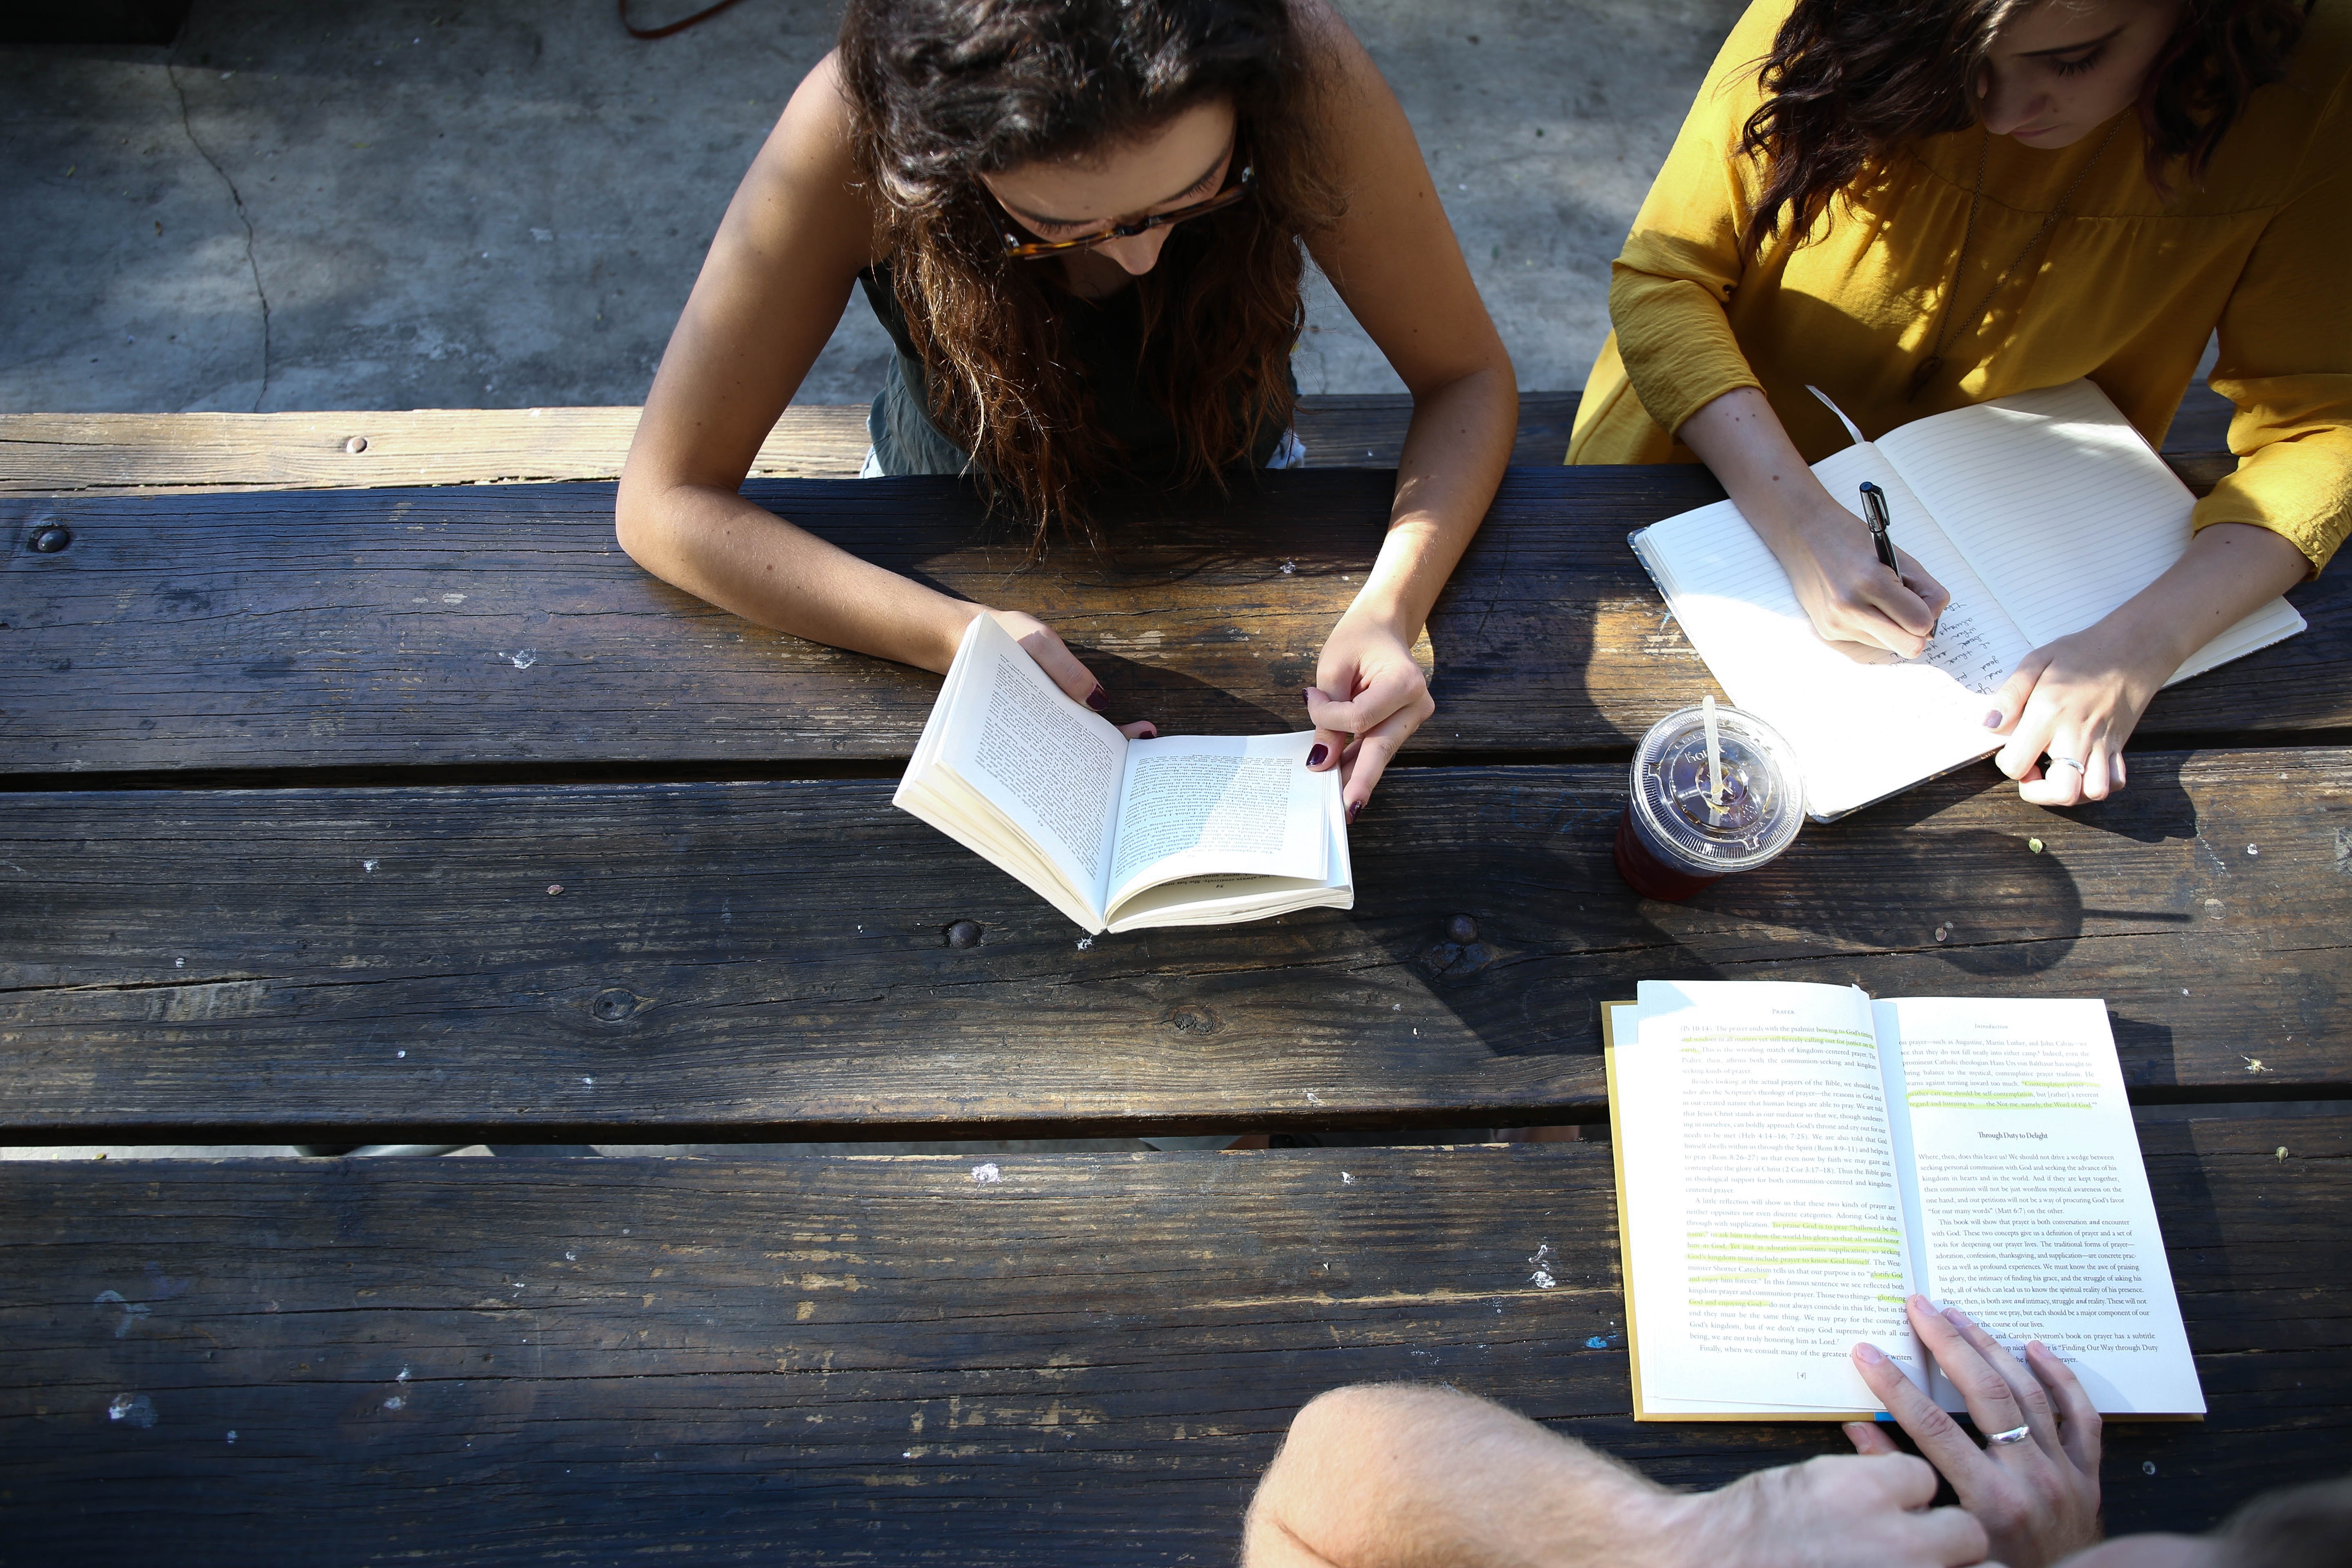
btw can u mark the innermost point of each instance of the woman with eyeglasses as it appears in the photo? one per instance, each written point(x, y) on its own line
point(1920, 204)
point(1084, 224)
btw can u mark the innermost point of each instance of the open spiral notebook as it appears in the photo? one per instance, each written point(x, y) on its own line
point(2041, 512)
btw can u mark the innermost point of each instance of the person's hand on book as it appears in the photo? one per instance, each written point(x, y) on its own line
point(1857, 604)
point(1386, 699)
point(1044, 645)
point(2037, 1497)
point(2076, 702)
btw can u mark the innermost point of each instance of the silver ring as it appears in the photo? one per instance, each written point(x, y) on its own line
point(2014, 1434)
point(2066, 763)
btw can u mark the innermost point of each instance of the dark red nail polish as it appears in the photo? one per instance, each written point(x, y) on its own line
point(1098, 699)
point(1316, 753)
point(1353, 807)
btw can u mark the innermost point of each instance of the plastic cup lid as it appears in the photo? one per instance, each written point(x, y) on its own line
point(1762, 803)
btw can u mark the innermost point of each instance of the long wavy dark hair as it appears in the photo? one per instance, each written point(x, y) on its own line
point(1848, 83)
point(941, 91)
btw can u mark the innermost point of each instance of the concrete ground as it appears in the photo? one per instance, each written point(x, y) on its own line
point(503, 204)
point(417, 205)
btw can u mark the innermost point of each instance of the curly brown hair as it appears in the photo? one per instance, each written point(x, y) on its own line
point(1848, 85)
point(941, 91)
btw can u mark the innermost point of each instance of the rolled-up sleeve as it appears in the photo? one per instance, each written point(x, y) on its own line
point(1682, 258)
point(2285, 360)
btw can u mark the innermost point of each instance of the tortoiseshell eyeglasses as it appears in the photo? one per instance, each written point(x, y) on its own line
point(1031, 249)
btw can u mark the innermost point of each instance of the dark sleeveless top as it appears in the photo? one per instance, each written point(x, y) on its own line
point(1105, 336)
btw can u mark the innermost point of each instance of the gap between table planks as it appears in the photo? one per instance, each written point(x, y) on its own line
point(470, 625)
point(768, 960)
point(846, 1359)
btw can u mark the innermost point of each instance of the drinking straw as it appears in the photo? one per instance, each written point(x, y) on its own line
point(1714, 759)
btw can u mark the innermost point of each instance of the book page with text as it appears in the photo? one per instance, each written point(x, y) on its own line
point(1216, 899)
point(1051, 765)
point(1763, 1220)
point(1237, 804)
point(2034, 1208)
point(1861, 730)
point(2053, 496)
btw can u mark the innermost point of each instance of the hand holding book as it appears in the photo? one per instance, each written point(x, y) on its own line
point(1116, 830)
point(1052, 656)
point(1796, 1163)
point(2034, 1485)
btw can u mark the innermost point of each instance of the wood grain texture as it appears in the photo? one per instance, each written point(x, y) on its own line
point(47, 454)
point(500, 624)
point(751, 960)
point(857, 1360)
point(50, 454)
point(63, 453)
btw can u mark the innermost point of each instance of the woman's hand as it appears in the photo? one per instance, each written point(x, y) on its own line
point(2076, 699)
point(2038, 1499)
point(1368, 697)
point(1055, 658)
point(2079, 698)
point(1856, 603)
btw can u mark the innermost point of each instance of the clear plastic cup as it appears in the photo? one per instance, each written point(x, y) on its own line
point(1673, 839)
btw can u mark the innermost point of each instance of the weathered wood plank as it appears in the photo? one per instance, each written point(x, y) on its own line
point(50, 454)
point(745, 959)
point(479, 625)
point(53, 454)
point(839, 1359)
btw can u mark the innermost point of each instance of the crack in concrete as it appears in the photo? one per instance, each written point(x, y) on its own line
point(172, 73)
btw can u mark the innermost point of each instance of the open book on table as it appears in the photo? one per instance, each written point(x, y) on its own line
point(2041, 512)
point(1794, 1160)
point(1119, 834)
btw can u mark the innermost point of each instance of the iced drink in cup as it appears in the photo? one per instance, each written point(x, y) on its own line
point(1680, 832)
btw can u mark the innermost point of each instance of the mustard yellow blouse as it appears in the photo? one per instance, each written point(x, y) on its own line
point(2126, 291)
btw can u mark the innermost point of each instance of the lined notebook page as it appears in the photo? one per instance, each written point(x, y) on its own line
point(2063, 510)
point(1860, 732)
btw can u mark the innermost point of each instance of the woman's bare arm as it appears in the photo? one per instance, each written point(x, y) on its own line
point(1852, 597)
point(1394, 260)
point(768, 297)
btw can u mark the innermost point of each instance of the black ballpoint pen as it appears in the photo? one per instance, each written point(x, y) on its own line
point(1874, 508)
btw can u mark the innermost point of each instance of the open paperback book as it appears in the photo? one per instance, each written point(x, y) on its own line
point(1119, 834)
point(1793, 1161)
point(2041, 513)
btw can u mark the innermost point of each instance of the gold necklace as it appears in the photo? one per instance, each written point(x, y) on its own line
point(1947, 329)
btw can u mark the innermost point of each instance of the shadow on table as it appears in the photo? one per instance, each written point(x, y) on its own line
point(1941, 878)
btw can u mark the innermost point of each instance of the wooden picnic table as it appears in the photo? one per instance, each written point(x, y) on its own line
point(378, 815)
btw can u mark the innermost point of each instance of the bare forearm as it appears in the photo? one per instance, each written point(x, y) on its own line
point(1454, 453)
point(2229, 571)
point(723, 549)
point(1824, 547)
point(1402, 1476)
point(1743, 443)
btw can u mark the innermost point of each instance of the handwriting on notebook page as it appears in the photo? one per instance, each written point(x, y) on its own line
point(1967, 651)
